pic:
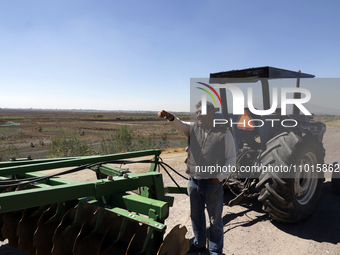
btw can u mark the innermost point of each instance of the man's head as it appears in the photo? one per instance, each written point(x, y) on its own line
point(205, 120)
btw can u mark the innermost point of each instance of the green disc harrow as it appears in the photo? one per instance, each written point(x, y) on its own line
point(119, 213)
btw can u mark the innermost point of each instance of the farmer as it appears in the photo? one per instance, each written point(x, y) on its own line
point(211, 150)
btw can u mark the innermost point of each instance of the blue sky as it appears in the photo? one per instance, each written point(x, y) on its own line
point(140, 55)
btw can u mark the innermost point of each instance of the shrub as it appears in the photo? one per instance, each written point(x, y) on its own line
point(163, 143)
point(119, 141)
point(145, 142)
point(107, 146)
point(68, 145)
point(123, 138)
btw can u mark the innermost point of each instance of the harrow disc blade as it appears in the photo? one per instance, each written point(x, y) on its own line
point(126, 232)
point(47, 224)
point(9, 228)
point(91, 235)
point(66, 233)
point(175, 242)
point(137, 242)
point(111, 235)
point(27, 226)
point(1, 224)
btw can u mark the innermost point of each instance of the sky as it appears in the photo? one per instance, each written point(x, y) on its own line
point(141, 55)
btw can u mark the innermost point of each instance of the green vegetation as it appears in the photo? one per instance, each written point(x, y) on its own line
point(61, 130)
point(145, 142)
point(11, 134)
point(107, 146)
point(7, 152)
point(44, 134)
point(53, 129)
point(11, 117)
point(123, 140)
point(68, 145)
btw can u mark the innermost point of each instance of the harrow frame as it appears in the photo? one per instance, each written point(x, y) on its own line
point(110, 192)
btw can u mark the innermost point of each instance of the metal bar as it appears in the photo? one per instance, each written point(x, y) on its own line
point(26, 161)
point(130, 215)
point(141, 204)
point(175, 189)
point(153, 167)
point(224, 105)
point(157, 190)
point(52, 181)
point(169, 200)
point(74, 162)
point(18, 200)
point(110, 170)
point(297, 95)
point(22, 199)
point(265, 94)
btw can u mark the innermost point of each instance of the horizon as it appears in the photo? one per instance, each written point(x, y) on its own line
point(131, 111)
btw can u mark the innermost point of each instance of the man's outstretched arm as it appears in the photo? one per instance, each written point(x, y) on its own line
point(175, 122)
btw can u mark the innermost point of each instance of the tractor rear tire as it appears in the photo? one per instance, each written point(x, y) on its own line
point(336, 178)
point(291, 197)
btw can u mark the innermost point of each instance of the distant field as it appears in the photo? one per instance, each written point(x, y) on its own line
point(38, 127)
point(331, 121)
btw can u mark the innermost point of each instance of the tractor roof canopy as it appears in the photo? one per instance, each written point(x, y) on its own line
point(254, 74)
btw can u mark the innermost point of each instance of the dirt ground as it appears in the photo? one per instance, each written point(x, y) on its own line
point(248, 230)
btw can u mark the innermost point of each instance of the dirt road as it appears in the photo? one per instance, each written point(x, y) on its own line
point(248, 230)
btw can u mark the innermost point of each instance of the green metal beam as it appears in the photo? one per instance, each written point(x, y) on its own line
point(20, 162)
point(17, 200)
point(176, 190)
point(110, 170)
point(21, 169)
point(130, 215)
point(51, 181)
point(141, 204)
point(22, 199)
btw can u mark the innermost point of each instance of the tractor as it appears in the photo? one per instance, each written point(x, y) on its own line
point(288, 160)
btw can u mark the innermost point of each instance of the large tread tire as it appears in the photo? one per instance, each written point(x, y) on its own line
point(336, 178)
point(291, 197)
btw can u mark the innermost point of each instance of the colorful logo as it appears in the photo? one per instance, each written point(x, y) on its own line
point(208, 92)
